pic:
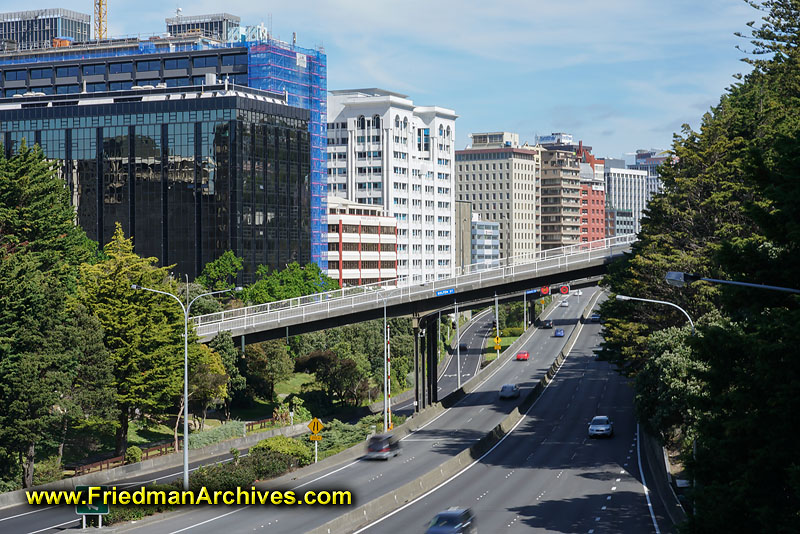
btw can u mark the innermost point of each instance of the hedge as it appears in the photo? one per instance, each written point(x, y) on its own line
point(286, 445)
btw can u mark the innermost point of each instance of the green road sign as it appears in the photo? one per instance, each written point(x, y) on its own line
point(97, 507)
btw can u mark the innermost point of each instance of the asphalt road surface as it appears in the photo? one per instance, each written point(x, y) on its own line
point(547, 475)
point(454, 430)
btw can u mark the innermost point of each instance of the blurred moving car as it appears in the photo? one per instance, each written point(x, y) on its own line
point(595, 318)
point(579, 292)
point(453, 521)
point(559, 332)
point(382, 447)
point(523, 356)
point(547, 323)
point(463, 347)
point(564, 303)
point(509, 391)
point(601, 425)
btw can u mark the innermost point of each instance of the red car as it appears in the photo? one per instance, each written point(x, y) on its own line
point(522, 356)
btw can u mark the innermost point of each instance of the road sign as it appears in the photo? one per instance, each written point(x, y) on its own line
point(445, 292)
point(315, 437)
point(497, 347)
point(545, 290)
point(315, 426)
point(564, 290)
point(531, 291)
point(97, 507)
point(497, 340)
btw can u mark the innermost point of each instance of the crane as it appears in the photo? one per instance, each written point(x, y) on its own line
point(100, 22)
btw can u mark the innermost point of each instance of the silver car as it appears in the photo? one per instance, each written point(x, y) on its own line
point(601, 425)
point(509, 391)
point(564, 303)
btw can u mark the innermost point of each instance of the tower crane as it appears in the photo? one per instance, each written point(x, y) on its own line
point(100, 19)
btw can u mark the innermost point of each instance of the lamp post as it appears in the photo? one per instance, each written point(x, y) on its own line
point(680, 279)
point(186, 308)
point(626, 297)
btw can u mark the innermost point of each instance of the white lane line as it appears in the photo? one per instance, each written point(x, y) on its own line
point(54, 526)
point(26, 513)
point(487, 453)
point(644, 484)
point(204, 522)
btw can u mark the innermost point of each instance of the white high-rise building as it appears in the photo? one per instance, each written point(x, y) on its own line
point(384, 150)
point(626, 189)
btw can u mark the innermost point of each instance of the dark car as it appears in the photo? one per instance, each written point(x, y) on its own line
point(463, 347)
point(595, 318)
point(559, 332)
point(382, 447)
point(453, 521)
point(509, 391)
point(547, 323)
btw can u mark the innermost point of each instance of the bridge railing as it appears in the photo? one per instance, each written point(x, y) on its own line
point(402, 289)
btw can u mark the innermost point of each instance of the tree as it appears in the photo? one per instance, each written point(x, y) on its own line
point(293, 281)
point(142, 330)
point(221, 273)
point(267, 364)
point(223, 345)
point(207, 379)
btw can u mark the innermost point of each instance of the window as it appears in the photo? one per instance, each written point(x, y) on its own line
point(116, 68)
point(176, 63)
point(41, 74)
point(177, 82)
point(66, 71)
point(148, 66)
point(13, 75)
point(204, 61)
point(93, 70)
point(238, 59)
point(119, 86)
point(67, 89)
point(95, 87)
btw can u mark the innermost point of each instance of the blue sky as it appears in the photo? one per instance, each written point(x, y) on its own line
point(618, 74)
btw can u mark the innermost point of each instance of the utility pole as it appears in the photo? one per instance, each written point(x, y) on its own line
point(458, 347)
point(496, 321)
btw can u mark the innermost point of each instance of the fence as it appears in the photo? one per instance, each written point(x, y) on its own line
point(150, 452)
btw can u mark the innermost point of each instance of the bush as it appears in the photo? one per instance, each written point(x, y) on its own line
point(288, 446)
point(266, 463)
point(133, 455)
point(47, 471)
point(512, 331)
point(222, 477)
point(134, 512)
point(230, 430)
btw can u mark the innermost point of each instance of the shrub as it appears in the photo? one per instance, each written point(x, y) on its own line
point(133, 512)
point(133, 455)
point(512, 331)
point(48, 470)
point(266, 463)
point(222, 477)
point(230, 430)
point(288, 446)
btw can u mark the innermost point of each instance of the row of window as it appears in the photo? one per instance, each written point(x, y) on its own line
point(365, 247)
point(354, 229)
point(239, 79)
point(334, 264)
point(153, 65)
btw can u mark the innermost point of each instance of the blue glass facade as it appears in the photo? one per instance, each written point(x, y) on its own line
point(269, 65)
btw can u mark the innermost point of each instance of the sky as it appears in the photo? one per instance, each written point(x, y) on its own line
point(617, 74)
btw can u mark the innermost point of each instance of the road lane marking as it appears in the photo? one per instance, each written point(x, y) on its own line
point(54, 526)
point(26, 513)
point(644, 484)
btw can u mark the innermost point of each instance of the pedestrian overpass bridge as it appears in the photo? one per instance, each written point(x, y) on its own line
point(580, 264)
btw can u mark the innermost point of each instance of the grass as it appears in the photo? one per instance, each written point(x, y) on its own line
point(491, 354)
point(294, 384)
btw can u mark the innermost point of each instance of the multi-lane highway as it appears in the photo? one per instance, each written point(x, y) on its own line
point(454, 430)
point(451, 432)
point(547, 475)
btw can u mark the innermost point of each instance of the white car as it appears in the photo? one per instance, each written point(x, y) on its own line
point(564, 303)
point(579, 292)
point(601, 425)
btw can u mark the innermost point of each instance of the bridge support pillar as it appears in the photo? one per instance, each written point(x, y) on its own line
point(432, 338)
point(417, 397)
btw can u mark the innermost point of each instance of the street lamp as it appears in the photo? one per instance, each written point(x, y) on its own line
point(680, 279)
point(626, 297)
point(185, 309)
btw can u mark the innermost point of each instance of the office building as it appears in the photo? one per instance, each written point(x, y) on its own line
point(463, 234)
point(619, 222)
point(626, 190)
point(362, 243)
point(383, 150)
point(500, 178)
point(485, 243)
point(218, 26)
point(188, 172)
point(258, 61)
point(650, 160)
point(43, 28)
point(593, 201)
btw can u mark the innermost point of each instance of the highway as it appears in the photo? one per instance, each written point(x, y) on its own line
point(451, 432)
point(547, 475)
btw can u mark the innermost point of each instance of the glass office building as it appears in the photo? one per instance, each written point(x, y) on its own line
point(254, 60)
point(38, 28)
point(188, 172)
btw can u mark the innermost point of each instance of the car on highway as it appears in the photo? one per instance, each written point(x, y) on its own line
point(382, 447)
point(579, 292)
point(595, 318)
point(453, 521)
point(547, 323)
point(601, 425)
point(564, 303)
point(523, 356)
point(509, 391)
point(463, 347)
point(559, 332)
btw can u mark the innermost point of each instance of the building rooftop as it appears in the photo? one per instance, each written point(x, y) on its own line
point(374, 91)
point(184, 19)
point(43, 13)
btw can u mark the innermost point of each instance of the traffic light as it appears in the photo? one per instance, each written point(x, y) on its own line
point(545, 290)
point(564, 290)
